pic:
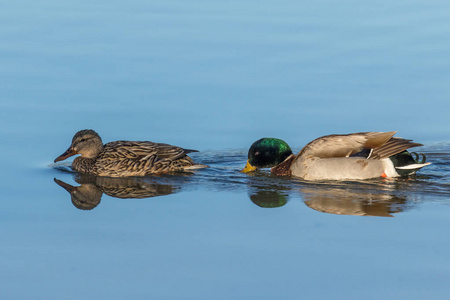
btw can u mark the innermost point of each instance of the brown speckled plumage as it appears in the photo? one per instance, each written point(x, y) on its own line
point(126, 158)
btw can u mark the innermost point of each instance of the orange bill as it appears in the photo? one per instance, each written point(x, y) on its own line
point(69, 152)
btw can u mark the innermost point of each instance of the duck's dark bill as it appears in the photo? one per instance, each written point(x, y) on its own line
point(69, 152)
point(248, 168)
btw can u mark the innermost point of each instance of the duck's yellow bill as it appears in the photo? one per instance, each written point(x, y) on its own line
point(248, 168)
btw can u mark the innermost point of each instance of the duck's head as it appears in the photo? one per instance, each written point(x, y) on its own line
point(266, 153)
point(85, 142)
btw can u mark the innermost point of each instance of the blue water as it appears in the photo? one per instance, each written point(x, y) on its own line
point(216, 77)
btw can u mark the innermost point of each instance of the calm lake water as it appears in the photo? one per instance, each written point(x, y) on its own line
point(216, 77)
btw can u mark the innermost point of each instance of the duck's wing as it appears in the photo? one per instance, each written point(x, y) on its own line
point(374, 145)
point(392, 147)
point(127, 158)
point(142, 151)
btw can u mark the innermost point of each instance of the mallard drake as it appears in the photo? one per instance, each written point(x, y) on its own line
point(125, 158)
point(352, 156)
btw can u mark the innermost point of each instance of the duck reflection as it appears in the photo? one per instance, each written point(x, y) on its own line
point(351, 202)
point(368, 198)
point(88, 194)
point(268, 198)
point(275, 194)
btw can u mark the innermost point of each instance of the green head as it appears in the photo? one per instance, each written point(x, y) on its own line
point(267, 153)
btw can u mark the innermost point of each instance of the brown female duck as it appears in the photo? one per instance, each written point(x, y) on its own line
point(125, 158)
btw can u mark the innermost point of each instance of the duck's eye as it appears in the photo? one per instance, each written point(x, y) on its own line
point(257, 153)
point(83, 140)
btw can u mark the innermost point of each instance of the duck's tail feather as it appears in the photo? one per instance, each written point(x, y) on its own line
point(195, 167)
point(186, 151)
point(407, 163)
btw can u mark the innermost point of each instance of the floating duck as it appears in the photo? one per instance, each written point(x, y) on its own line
point(352, 156)
point(126, 158)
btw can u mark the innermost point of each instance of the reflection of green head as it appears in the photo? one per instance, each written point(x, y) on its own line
point(269, 199)
point(268, 152)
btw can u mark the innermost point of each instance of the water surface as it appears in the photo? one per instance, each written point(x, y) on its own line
point(216, 77)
